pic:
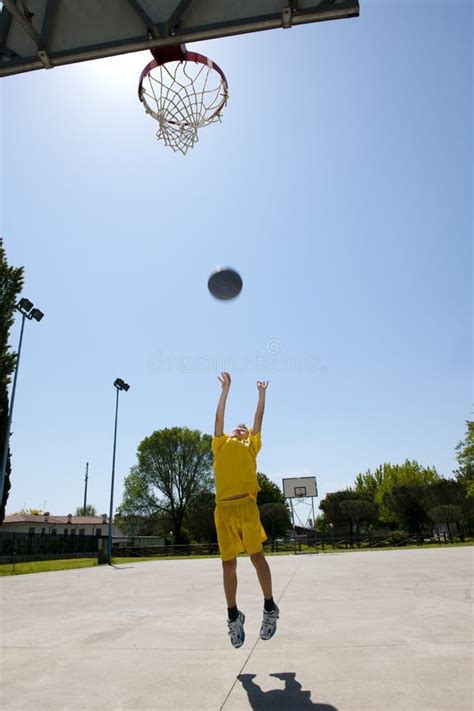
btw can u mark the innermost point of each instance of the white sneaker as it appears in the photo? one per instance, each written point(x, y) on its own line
point(236, 630)
point(269, 623)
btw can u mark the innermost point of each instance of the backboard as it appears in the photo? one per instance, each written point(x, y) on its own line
point(37, 34)
point(300, 487)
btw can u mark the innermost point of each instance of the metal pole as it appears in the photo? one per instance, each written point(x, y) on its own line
point(85, 488)
point(292, 515)
point(111, 512)
point(10, 415)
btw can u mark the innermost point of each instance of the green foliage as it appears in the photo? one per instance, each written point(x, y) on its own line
point(174, 466)
point(357, 511)
point(396, 537)
point(448, 492)
point(465, 457)
point(377, 485)
point(11, 284)
point(348, 508)
point(200, 518)
point(402, 503)
point(275, 519)
point(452, 494)
point(184, 537)
point(269, 492)
point(445, 513)
point(321, 523)
point(88, 511)
point(368, 484)
point(332, 509)
point(157, 524)
point(139, 500)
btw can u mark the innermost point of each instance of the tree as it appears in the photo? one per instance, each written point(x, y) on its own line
point(11, 284)
point(174, 465)
point(269, 492)
point(275, 519)
point(368, 484)
point(446, 513)
point(451, 493)
point(200, 517)
point(403, 504)
point(321, 523)
point(332, 509)
point(157, 524)
point(358, 510)
point(465, 456)
point(374, 486)
point(88, 511)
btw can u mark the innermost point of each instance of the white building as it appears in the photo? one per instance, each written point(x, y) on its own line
point(48, 524)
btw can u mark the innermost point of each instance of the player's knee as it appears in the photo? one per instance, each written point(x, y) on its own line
point(258, 558)
point(229, 564)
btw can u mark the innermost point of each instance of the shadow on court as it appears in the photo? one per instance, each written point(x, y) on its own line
point(291, 697)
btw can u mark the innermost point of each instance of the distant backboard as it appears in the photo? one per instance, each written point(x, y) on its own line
point(300, 487)
point(37, 34)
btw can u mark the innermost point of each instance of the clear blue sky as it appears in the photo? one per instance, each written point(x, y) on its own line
point(339, 185)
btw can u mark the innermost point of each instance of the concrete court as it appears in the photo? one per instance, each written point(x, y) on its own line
point(358, 631)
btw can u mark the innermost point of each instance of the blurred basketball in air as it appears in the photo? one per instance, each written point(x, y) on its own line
point(225, 283)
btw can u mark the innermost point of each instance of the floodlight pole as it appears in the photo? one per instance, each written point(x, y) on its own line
point(6, 442)
point(85, 488)
point(119, 385)
point(25, 307)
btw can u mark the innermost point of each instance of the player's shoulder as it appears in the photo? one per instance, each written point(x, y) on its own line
point(219, 441)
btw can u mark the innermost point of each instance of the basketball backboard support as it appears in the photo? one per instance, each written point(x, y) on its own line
point(41, 34)
point(301, 492)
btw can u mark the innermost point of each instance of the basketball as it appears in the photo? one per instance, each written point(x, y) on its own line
point(225, 283)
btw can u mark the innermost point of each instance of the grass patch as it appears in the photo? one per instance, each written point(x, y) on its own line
point(411, 546)
point(44, 566)
point(138, 559)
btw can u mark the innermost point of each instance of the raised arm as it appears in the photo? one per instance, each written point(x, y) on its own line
point(262, 386)
point(224, 379)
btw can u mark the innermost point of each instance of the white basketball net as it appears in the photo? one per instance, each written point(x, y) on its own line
point(183, 97)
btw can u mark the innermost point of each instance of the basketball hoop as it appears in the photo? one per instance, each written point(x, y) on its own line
point(183, 91)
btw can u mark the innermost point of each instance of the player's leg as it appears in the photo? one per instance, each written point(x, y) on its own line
point(229, 570)
point(271, 612)
point(229, 546)
point(263, 573)
point(254, 535)
point(236, 619)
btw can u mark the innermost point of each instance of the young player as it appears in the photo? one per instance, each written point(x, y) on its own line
point(236, 514)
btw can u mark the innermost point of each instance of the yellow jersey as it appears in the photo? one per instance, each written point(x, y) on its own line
point(235, 465)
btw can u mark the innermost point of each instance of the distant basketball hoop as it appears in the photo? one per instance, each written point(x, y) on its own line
point(305, 490)
point(300, 487)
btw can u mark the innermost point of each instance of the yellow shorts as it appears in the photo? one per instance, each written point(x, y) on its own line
point(238, 527)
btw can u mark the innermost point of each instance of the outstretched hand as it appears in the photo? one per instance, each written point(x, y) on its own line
point(224, 379)
point(262, 385)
